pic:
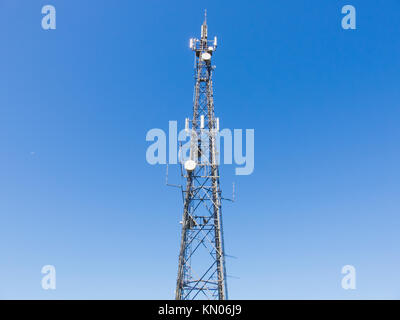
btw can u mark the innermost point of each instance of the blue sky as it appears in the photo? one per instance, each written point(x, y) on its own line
point(76, 103)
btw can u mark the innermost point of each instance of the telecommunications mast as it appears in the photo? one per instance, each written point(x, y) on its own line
point(201, 271)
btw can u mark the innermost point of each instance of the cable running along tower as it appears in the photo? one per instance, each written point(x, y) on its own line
point(201, 271)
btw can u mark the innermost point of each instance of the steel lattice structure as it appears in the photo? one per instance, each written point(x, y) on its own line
point(201, 271)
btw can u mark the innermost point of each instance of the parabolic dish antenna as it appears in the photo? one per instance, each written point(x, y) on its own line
point(190, 165)
point(206, 56)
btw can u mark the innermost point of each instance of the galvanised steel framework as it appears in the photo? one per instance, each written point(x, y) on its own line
point(201, 272)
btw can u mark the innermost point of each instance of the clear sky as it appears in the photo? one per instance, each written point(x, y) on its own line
point(76, 103)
